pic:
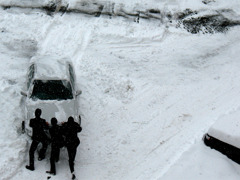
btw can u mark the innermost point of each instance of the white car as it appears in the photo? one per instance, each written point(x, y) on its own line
point(51, 87)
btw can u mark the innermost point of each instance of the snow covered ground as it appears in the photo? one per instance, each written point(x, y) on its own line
point(150, 90)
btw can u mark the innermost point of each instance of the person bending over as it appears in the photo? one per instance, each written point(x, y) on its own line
point(38, 126)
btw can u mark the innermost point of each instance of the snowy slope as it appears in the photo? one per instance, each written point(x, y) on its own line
point(150, 91)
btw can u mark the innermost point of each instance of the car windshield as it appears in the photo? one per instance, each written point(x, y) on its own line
point(51, 90)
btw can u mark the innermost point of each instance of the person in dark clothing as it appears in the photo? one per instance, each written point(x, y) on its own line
point(70, 130)
point(57, 143)
point(38, 126)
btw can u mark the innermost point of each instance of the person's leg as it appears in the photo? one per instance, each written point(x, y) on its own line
point(32, 150)
point(74, 150)
point(57, 154)
point(43, 150)
point(52, 160)
point(71, 155)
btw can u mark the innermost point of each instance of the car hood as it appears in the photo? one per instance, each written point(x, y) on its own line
point(58, 109)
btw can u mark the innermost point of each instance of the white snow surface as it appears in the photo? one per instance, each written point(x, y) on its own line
point(150, 92)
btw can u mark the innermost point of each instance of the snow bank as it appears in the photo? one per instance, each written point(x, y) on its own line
point(137, 4)
point(13, 146)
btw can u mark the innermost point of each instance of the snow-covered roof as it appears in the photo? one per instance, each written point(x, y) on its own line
point(50, 67)
point(227, 129)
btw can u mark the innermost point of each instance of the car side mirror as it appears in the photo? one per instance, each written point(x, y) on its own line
point(24, 93)
point(79, 92)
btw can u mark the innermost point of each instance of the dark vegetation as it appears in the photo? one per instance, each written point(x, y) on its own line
point(209, 24)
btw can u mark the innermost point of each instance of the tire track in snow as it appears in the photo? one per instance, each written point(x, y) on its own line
point(79, 52)
point(65, 37)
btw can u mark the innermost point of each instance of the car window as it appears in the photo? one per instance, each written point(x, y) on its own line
point(30, 75)
point(71, 75)
point(51, 90)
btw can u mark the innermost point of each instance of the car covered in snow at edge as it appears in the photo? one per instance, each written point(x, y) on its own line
point(224, 136)
point(50, 86)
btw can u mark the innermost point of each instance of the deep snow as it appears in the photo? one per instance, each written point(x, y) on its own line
point(150, 91)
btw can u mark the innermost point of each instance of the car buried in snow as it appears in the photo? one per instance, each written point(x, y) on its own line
point(51, 87)
point(224, 136)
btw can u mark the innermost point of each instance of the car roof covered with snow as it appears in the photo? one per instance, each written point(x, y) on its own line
point(227, 129)
point(51, 67)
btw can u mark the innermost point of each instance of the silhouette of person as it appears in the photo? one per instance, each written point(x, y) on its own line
point(70, 131)
point(57, 143)
point(38, 126)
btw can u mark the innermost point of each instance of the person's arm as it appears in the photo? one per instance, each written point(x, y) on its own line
point(45, 124)
point(79, 128)
point(31, 123)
